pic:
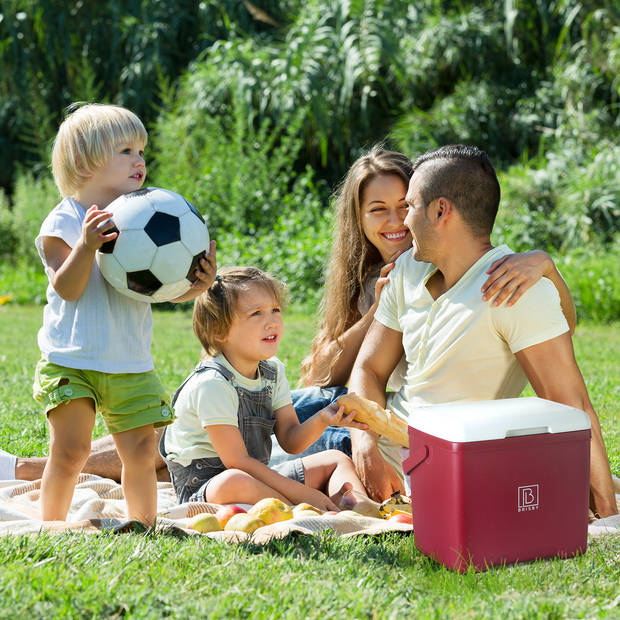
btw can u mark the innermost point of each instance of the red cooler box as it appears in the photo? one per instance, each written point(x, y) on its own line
point(499, 481)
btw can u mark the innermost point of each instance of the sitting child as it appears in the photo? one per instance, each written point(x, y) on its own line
point(218, 448)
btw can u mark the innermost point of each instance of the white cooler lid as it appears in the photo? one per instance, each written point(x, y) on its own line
point(497, 419)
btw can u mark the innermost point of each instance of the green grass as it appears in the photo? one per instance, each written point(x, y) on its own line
point(149, 576)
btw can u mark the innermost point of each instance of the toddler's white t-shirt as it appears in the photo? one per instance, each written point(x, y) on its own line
point(102, 330)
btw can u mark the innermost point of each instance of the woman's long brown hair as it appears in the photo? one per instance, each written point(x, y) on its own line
point(352, 255)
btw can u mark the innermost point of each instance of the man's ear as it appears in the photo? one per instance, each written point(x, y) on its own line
point(444, 209)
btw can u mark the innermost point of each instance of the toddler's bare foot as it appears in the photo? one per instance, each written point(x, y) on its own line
point(338, 495)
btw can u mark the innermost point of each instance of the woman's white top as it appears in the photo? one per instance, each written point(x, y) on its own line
point(102, 330)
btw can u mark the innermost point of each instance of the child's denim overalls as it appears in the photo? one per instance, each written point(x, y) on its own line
point(256, 421)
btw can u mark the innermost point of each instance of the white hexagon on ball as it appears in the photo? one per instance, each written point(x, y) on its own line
point(130, 211)
point(169, 260)
point(161, 238)
point(192, 233)
point(134, 250)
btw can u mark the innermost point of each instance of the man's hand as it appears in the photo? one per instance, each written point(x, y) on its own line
point(378, 476)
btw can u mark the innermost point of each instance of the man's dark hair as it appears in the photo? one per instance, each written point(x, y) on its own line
point(465, 175)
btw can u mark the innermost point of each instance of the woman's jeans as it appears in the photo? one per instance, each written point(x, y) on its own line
point(307, 401)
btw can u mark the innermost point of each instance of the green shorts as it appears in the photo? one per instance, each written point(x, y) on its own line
point(126, 401)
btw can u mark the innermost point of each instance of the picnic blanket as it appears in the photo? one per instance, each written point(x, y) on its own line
point(98, 505)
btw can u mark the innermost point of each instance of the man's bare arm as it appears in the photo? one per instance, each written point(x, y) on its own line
point(379, 354)
point(553, 373)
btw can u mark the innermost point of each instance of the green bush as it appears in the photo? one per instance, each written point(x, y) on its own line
point(563, 200)
point(294, 250)
point(593, 277)
point(240, 173)
point(33, 199)
point(23, 282)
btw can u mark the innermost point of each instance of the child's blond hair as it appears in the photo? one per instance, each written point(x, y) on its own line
point(87, 139)
point(215, 309)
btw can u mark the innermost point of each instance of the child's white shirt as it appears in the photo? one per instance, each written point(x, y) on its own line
point(208, 399)
point(102, 330)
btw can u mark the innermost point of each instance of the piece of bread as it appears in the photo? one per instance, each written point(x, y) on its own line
point(379, 420)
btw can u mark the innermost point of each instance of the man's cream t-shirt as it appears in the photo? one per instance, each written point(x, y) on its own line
point(458, 347)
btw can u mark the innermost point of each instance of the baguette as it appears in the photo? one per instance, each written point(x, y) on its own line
point(381, 421)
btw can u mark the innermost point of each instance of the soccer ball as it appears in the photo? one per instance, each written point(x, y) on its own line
point(161, 239)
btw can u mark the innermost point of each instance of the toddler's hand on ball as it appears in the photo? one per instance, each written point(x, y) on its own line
point(96, 224)
point(206, 272)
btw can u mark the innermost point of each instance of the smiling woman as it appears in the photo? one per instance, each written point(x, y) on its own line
point(383, 210)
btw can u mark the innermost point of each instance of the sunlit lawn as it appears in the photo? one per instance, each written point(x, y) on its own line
point(151, 576)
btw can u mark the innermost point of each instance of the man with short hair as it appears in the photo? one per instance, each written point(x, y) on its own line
point(459, 348)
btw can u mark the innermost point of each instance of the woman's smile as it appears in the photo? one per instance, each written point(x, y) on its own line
point(383, 212)
point(396, 236)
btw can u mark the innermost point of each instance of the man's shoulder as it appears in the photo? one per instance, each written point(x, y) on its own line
point(536, 317)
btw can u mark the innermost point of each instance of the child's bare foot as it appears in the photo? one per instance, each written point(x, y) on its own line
point(338, 495)
point(360, 503)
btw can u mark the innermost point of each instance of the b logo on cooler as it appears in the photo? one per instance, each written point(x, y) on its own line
point(528, 498)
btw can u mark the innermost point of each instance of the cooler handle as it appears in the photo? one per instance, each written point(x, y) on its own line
point(415, 459)
point(521, 432)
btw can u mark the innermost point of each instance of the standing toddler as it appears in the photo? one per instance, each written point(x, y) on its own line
point(95, 343)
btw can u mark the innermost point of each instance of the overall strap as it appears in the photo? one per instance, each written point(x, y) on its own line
point(201, 367)
point(269, 372)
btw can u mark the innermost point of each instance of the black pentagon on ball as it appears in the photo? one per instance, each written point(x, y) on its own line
point(191, 276)
point(143, 282)
point(108, 246)
point(194, 210)
point(163, 228)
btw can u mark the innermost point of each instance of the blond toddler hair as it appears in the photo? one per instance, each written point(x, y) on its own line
point(86, 140)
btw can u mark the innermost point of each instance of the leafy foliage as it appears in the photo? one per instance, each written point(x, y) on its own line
point(256, 109)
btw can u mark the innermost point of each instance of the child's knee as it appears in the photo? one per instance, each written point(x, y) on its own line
point(144, 445)
point(137, 447)
point(69, 456)
point(336, 458)
point(227, 483)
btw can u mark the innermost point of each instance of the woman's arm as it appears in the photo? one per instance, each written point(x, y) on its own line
point(511, 275)
point(229, 445)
